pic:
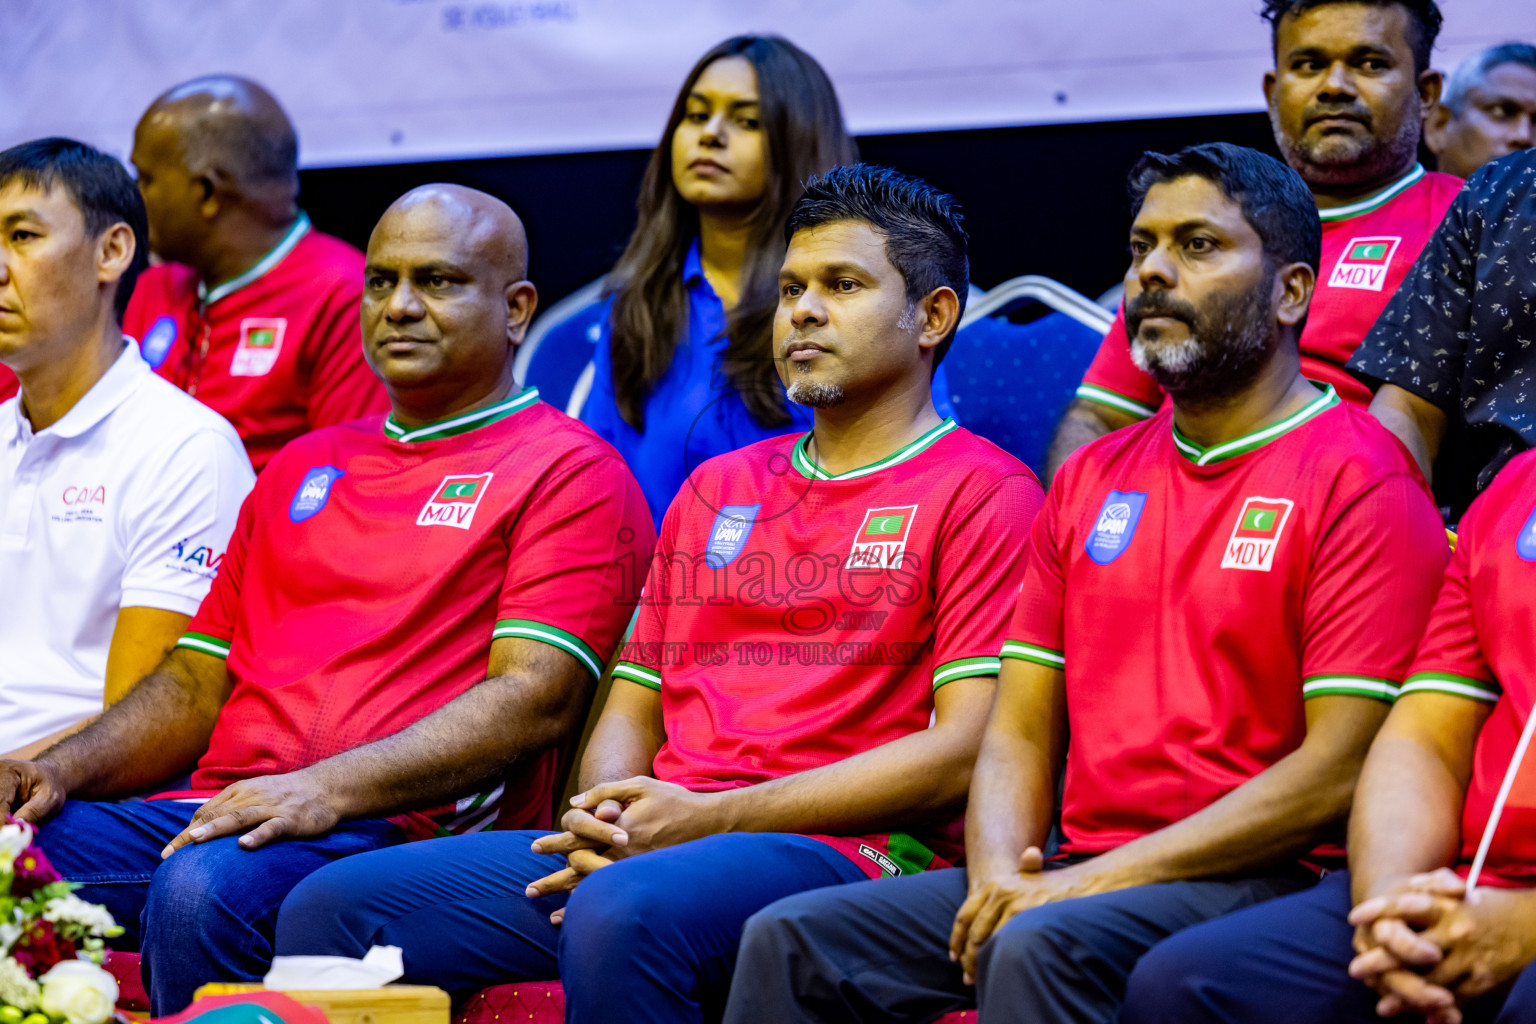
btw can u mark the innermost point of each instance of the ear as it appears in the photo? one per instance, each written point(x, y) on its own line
point(1431, 84)
point(114, 253)
point(1293, 286)
point(1436, 123)
point(522, 301)
point(1269, 89)
point(209, 187)
point(938, 315)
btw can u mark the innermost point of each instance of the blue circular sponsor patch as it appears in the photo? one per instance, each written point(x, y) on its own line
point(158, 341)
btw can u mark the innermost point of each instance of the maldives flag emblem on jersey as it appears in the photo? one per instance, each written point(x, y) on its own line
point(454, 501)
point(882, 538)
point(1364, 263)
point(1260, 523)
point(261, 340)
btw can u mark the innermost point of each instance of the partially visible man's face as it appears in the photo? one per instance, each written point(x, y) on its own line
point(172, 197)
point(843, 324)
point(1344, 97)
point(1198, 296)
point(434, 312)
point(1498, 117)
point(50, 273)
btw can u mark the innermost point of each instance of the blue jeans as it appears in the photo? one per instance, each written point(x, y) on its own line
point(651, 938)
point(1282, 962)
point(206, 913)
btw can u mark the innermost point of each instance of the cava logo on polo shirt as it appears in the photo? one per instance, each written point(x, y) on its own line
point(882, 538)
point(727, 538)
point(455, 500)
point(158, 341)
point(261, 339)
point(1115, 525)
point(1364, 263)
point(1257, 534)
point(1525, 544)
point(314, 491)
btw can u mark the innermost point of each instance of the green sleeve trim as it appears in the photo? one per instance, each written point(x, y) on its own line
point(1039, 655)
point(1349, 686)
point(1483, 690)
point(962, 668)
point(1104, 396)
point(216, 646)
point(570, 643)
point(638, 674)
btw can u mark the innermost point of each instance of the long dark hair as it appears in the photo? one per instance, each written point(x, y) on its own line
point(803, 135)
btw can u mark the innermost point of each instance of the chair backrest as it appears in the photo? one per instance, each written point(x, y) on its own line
point(560, 342)
point(1011, 382)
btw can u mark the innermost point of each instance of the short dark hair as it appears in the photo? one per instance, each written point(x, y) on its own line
point(99, 186)
point(925, 237)
point(1275, 202)
point(1424, 14)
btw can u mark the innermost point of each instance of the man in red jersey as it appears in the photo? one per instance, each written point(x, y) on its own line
point(406, 626)
point(257, 313)
point(1415, 936)
point(1218, 605)
point(1346, 100)
point(801, 701)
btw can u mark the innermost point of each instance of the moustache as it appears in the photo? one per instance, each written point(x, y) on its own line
point(1157, 303)
point(1318, 113)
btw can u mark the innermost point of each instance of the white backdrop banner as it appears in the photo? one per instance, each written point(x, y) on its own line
point(375, 81)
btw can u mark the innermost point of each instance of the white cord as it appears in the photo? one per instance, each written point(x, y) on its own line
point(1498, 803)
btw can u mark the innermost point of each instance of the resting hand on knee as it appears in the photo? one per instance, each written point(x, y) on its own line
point(33, 788)
point(291, 806)
point(591, 841)
point(993, 903)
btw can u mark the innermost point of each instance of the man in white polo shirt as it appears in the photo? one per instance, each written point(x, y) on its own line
point(117, 491)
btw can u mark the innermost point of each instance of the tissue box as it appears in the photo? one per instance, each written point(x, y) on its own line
point(392, 1004)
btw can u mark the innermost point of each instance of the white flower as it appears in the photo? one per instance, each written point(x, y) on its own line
point(16, 987)
point(79, 991)
point(71, 909)
point(13, 840)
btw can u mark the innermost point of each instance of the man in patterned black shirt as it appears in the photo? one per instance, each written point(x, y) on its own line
point(1455, 348)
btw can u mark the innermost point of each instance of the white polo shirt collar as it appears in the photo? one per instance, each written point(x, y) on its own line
point(114, 388)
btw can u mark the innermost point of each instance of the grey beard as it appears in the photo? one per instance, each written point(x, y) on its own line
point(1216, 363)
point(816, 395)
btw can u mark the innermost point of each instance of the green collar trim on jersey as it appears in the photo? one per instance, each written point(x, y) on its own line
point(462, 424)
point(211, 295)
point(1372, 202)
point(807, 468)
point(1258, 439)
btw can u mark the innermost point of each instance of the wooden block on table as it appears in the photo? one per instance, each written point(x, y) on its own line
point(392, 1004)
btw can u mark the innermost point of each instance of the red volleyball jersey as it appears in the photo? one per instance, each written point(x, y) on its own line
point(9, 385)
point(1368, 248)
point(793, 619)
point(372, 566)
point(1480, 646)
point(278, 351)
point(1197, 597)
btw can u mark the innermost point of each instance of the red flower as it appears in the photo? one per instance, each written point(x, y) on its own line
point(32, 872)
point(40, 948)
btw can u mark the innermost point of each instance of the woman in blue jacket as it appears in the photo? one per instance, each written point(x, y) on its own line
point(685, 370)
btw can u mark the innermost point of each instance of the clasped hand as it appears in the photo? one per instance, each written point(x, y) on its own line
point(620, 819)
point(1427, 947)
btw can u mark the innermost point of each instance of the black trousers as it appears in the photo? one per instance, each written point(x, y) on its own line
point(879, 951)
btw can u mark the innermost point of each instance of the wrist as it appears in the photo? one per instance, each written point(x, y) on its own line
point(721, 811)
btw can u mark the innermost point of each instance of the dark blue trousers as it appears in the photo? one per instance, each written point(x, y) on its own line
point(879, 951)
point(651, 938)
point(205, 914)
point(1284, 962)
